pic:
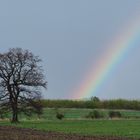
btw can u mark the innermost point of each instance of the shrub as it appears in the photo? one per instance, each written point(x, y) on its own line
point(59, 116)
point(115, 114)
point(95, 114)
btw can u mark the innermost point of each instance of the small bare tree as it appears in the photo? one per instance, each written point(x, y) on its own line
point(21, 79)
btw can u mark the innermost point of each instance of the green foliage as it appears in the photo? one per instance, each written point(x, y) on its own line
point(93, 103)
point(59, 116)
point(115, 114)
point(4, 113)
point(95, 114)
point(95, 99)
point(37, 107)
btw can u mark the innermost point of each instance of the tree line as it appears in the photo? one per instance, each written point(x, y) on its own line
point(93, 104)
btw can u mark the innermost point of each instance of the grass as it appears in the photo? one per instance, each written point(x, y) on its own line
point(75, 122)
point(81, 113)
point(76, 114)
point(123, 128)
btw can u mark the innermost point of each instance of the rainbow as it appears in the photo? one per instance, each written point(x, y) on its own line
point(119, 49)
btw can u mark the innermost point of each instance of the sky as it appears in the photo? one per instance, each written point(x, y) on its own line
point(70, 36)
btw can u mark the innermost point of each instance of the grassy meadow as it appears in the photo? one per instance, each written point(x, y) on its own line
point(75, 122)
point(79, 114)
point(122, 128)
point(73, 113)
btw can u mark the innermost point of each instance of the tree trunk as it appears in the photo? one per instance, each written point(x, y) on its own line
point(15, 117)
point(15, 114)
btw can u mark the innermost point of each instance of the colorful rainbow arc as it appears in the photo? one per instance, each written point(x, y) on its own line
point(118, 50)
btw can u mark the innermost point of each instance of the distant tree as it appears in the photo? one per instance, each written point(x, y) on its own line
point(95, 99)
point(21, 78)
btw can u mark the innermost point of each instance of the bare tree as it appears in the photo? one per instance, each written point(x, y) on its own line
point(21, 79)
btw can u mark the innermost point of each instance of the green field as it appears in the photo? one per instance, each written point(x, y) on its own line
point(76, 122)
point(77, 114)
point(50, 114)
point(124, 128)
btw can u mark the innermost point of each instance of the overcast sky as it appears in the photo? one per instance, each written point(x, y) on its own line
point(69, 36)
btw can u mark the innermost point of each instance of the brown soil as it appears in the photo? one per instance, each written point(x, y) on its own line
point(14, 133)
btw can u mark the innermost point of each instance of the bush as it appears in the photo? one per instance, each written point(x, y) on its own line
point(59, 116)
point(115, 114)
point(95, 114)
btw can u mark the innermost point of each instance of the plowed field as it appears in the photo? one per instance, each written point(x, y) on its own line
point(14, 133)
